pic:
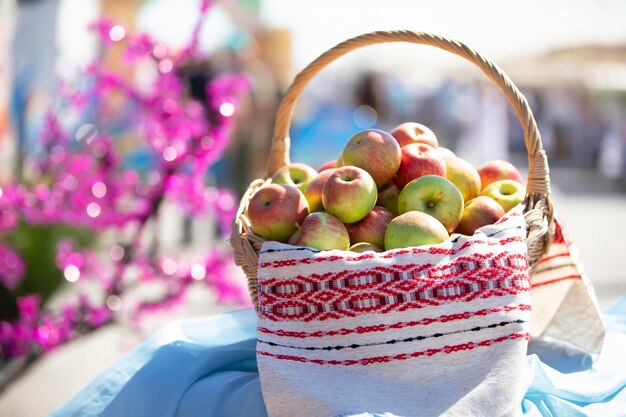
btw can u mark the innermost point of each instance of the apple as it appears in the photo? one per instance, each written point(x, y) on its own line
point(419, 159)
point(496, 170)
point(375, 151)
point(434, 195)
point(275, 210)
point(446, 153)
point(349, 194)
point(479, 212)
point(364, 247)
point(296, 174)
point(388, 198)
point(411, 132)
point(313, 192)
point(321, 231)
point(464, 176)
point(371, 229)
point(414, 228)
point(327, 165)
point(508, 193)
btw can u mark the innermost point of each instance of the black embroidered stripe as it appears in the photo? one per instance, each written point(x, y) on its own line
point(300, 248)
point(503, 230)
point(394, 341)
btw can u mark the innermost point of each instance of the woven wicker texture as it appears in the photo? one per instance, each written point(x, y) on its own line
point(538, 211)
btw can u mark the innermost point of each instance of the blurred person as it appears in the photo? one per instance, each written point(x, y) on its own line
point(247, 155)
point(612, 153)
point(371, 91)
point(33, 56)
point(446, 111)
point(485, 135)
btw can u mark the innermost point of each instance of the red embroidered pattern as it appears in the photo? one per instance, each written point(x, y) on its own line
point(395, 326)
point(555, 280)
point(447, 349)
point(559, 259)
point(556, 255)
point(382, 289)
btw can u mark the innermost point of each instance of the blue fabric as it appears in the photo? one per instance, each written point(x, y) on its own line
point(207, 367)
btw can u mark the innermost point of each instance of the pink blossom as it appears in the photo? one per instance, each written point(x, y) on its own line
point(87, 179)
point(12, 267)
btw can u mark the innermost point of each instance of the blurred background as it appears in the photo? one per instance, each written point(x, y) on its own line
point(82, 96)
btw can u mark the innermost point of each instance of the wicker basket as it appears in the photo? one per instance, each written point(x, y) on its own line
point(538, 208)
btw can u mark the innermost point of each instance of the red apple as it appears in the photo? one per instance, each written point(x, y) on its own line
point(419, 159)
point(508, 193)
point(411, 132)
point(327, 165)
point(463, 175)
point(388, 198)
point(349, 194)
point(364, 247)
point(297, 175)
point(434, 195)
point(313, 192)
point(275, 210)
point(496, 170)
point(479, 212)
point(414, 228)
point(375, 151)
point(321, 231)
point(372, 228)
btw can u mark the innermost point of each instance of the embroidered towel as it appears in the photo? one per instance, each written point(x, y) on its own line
point(566, 314)
point(428, 331)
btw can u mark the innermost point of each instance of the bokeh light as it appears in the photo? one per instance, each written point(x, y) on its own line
point(114, 302)
point(71, 273)
point(198, 272)
point(93, 210)
point(99, 189)
point(170, 153)
point(117, 33)
point(227, 109)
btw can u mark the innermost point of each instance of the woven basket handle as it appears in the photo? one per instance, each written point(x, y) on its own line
point(538, 176)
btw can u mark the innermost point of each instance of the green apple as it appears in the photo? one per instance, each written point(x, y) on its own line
point(388, 198)
point(364, 247)
point(275, 211)
point(414, 228)
point(434, 195)
point(479, 212)
point(463, 175)
point(321, 231)
point(296, 174)
point(375, 151)
point(349, 194)
point(508, 193)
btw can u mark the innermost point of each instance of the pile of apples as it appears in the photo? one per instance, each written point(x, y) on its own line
point(385, 191)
